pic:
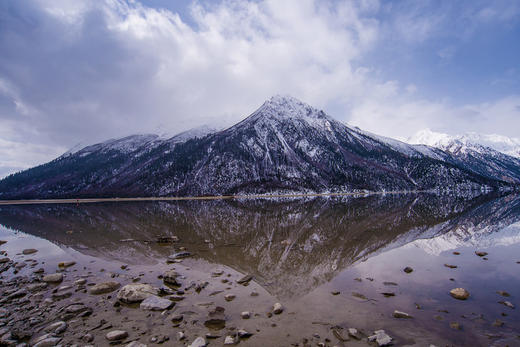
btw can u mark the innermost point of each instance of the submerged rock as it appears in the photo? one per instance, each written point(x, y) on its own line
point(179, 255)
point(176, 318)
point(216, 319)
point(170, 277)
point(217, 273)
point(338, 335)
point(57, 327)
point(498, 323)
point(78, 309)
point(167, 239)
point(136, 344)
point(229, 340)
point(135, 292)
point(159, 339)
point(455, 326)
point(388, 294)
point(399, 314)
point(244, 334)
point(212, 336)
point(53, 278)
point(17, 294)
point(29, 251)
point(381, 338)
point(245, 280)
point(116, 335)
point(66, 263)
point(277, 308)
point(155, 303)
point(198, 342)
point(459, 293)
point(80, 282)
point(354, 333)
point(507, 303)
point(48, 342)
point(503, 293)
point(200, 286)
point(105, 287)
point(230, 297)
point(88, 337)
point(359, 296)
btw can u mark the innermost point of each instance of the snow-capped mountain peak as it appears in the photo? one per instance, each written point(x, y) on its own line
point(285, 106)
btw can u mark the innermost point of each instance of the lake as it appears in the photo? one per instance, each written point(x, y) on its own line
point(333, 263)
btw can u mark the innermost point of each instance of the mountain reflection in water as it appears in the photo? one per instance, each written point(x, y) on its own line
point(291, 246)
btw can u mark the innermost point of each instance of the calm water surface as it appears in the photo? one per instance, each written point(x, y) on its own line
point(301, 250)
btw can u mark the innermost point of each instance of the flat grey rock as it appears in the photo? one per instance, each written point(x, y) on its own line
point(155, 303)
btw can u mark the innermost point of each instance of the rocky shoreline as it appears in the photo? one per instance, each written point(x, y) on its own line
point(76, 306)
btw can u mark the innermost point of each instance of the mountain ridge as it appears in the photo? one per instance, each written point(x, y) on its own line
point(284, 146)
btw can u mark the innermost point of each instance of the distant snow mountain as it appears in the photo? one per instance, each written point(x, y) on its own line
point(489, 155)
point(284, 146)
point(471, 140)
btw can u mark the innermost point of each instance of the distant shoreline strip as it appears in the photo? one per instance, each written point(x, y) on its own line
point(180, 198)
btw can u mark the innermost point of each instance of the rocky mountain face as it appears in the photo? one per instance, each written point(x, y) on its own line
point(284, 146)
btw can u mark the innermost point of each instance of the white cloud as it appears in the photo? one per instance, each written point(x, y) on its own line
point(19, 155)
point(90, 70)
point(393, 113)
point(238, 54)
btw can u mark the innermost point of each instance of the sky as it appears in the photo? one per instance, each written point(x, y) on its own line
point(84, 71)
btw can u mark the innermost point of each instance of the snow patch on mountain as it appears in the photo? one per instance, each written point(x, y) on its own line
point(125, 145)
point(74, 149)
point(195, 133)
point(132, 143)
